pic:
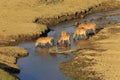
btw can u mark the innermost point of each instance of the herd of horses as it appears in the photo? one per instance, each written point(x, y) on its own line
point(81, 31)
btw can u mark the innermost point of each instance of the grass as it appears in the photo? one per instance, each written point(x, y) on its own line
point(17, 17)
point(6, 76)
point(13, 51)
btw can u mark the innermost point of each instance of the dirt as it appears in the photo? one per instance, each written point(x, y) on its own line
point(104, 61)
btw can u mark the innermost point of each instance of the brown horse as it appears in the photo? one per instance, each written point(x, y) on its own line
point(42, 41)
point(64, 37)
point(88, 26)
point(63, 33)
point(79, 32)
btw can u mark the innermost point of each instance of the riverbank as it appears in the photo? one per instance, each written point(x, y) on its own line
point(21, 22)
point(24, 21)
point(101, 63)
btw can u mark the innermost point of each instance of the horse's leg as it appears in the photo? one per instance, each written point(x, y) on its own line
point(79, 36)
point(74, 36)
point(36, 44)
point(85, 34)
point(50, 43)
point(94, 30)
point(62, 41)
point(69, 42)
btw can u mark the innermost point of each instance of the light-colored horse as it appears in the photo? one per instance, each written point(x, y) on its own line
point(79, 32)
point(42, 41)
point(64, 37)
point(88, 26)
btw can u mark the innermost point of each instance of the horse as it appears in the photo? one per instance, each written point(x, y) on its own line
point(43, 41)
point(88, 26)
point(79, 32)
point(64, 37)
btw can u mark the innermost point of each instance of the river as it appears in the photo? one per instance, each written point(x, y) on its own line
point(40, 65)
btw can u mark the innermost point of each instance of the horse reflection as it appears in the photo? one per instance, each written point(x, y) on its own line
point(44, 52)
point(83, 44)
point(63, 47)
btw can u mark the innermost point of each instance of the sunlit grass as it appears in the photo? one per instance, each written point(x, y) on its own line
point(6, 76)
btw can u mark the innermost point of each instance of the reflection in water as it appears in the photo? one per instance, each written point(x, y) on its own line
point(63, 48)
point(42, 50)
point(83, 44)
point(40, 65)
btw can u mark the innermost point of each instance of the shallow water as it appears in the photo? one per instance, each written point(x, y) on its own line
point(40, 65)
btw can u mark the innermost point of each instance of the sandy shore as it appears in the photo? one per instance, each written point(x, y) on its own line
point(108, 62)
point(100, 63)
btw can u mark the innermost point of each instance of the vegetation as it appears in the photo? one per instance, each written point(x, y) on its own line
point(6, 76)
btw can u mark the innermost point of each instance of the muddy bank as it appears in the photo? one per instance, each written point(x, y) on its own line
point(27, 32)
point(103, 64)
point(8, 60)
point(77, 68)
point(54, 20)
point(9, 56)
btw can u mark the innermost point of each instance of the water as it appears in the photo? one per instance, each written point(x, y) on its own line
point(40, 65)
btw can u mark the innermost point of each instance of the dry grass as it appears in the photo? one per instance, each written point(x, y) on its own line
point(6, 76)
point(108, 62)
point(13, 51)
point(8, 59)
point(16, 16)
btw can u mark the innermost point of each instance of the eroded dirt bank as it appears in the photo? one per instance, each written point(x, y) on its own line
point(18, 23)
point(101, 63)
